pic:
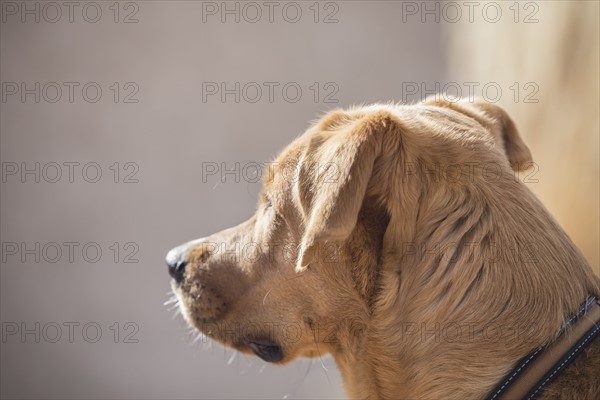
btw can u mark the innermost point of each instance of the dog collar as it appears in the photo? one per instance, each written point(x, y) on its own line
point(540, 367)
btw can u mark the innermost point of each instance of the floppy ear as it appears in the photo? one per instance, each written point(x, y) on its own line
point(500, 125)
point(334, 174)
point(506, 133)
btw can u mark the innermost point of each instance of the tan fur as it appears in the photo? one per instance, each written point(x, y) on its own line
point(402, 243)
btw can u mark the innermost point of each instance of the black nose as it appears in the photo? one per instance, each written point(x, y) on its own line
point(176, 262)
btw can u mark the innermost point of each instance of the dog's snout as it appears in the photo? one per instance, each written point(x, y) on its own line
point(176, 262)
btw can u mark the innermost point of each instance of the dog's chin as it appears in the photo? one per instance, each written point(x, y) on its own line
point(263, 348)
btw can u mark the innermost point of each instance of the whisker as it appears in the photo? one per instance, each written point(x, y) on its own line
point(300, 383)
point(172, 299)
point(321, 358)
point(288, 279)
point(233, 357)
point(176, 312)
point(265, 298)
point(199, 336)
point(310, 363)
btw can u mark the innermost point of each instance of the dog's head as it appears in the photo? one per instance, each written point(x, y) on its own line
point(302, 276)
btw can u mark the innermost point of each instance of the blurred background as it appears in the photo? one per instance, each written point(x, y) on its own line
point(130, 127)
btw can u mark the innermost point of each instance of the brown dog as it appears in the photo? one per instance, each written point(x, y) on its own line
point(398, 239)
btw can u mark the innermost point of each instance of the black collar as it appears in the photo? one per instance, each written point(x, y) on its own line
point(540, 367)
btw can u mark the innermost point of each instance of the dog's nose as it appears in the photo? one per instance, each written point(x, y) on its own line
point(176, 262)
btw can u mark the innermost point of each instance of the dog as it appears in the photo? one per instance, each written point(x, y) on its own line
point(400, 240)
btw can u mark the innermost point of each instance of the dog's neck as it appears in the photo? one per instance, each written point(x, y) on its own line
point(483, 280)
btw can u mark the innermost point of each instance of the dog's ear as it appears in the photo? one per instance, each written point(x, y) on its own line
point(500, 125)
point(333, 176)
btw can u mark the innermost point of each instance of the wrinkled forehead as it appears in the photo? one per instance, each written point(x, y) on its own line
point(280, 172)
point(431, 122)
point(283, 170)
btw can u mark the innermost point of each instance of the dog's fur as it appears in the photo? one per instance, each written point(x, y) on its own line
point(423, 265)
